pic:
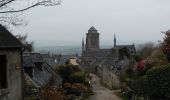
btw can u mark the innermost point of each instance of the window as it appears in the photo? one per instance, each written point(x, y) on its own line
point(3, 72)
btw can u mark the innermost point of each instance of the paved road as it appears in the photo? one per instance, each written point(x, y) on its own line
point(101, 93)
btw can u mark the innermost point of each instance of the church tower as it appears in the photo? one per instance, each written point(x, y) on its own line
point(92, 39)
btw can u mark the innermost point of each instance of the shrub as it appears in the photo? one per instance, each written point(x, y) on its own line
point(77, 77)
point(155, 83)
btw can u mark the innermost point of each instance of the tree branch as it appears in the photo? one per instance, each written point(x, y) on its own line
point(45, 3)
point(1, 5)
point(9, 9)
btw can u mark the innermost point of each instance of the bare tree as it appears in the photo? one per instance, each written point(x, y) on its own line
point(10, 10)
point(146, 49)
point(29, 46)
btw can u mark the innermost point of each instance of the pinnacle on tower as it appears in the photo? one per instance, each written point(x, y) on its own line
point(83, 45)
point(114, 40)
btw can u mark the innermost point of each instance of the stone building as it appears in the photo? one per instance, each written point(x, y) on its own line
point(10, 66)
point(107, 63)
point(93, 55)
point(92, 39)
point(40, 68)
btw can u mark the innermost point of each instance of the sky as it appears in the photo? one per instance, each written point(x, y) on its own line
point(66, 24)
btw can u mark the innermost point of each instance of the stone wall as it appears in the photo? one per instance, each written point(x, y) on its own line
point(108, 78)
point(14, 76)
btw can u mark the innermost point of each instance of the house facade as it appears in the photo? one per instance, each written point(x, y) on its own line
point(10, 66)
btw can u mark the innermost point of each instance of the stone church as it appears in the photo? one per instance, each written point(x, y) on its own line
point(93, 56)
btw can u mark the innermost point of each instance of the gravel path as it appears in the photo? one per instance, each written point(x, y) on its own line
point(101, 93)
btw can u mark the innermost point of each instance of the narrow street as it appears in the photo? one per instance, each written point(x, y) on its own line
point(101, 93)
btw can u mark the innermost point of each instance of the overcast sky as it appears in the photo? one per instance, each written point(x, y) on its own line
point(130, 20)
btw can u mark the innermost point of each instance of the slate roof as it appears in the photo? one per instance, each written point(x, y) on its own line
point(41, 77)
point(36, 57)
point(129, 47)
point(98, 53)
point(27, 62)
point(49, 60)
point(52, 71)
point(97, 57)
point(92, 30)
point(45, 55)
point(7, 40)
point(29, 59)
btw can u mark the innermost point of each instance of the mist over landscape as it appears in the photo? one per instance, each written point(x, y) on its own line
point(76, 48)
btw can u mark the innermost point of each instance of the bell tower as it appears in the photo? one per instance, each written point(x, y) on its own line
point(92, 39)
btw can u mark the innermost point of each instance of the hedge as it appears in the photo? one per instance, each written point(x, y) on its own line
point(155, 83)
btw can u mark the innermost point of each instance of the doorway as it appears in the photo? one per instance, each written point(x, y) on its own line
point(3, 72)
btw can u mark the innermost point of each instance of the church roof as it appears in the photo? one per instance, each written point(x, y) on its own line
point(129, 47)
point(7, 40)
point(98, 53)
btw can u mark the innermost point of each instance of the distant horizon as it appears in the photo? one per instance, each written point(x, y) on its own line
point(79, 43)
point(77, 49)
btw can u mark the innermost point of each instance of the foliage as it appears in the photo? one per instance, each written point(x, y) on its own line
point(27, 45)
point(123, 96)
point(51, 93)
point(72, 73)
point(123, 52)
point(65, 71)
point(166, 45)
point(140, 86)
point(156, 83)
point(77, 77)
point(157, 58)
point(129, 72)
point(138, 58)
point(75, 88)
point(146, 49)
point(166, 42)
